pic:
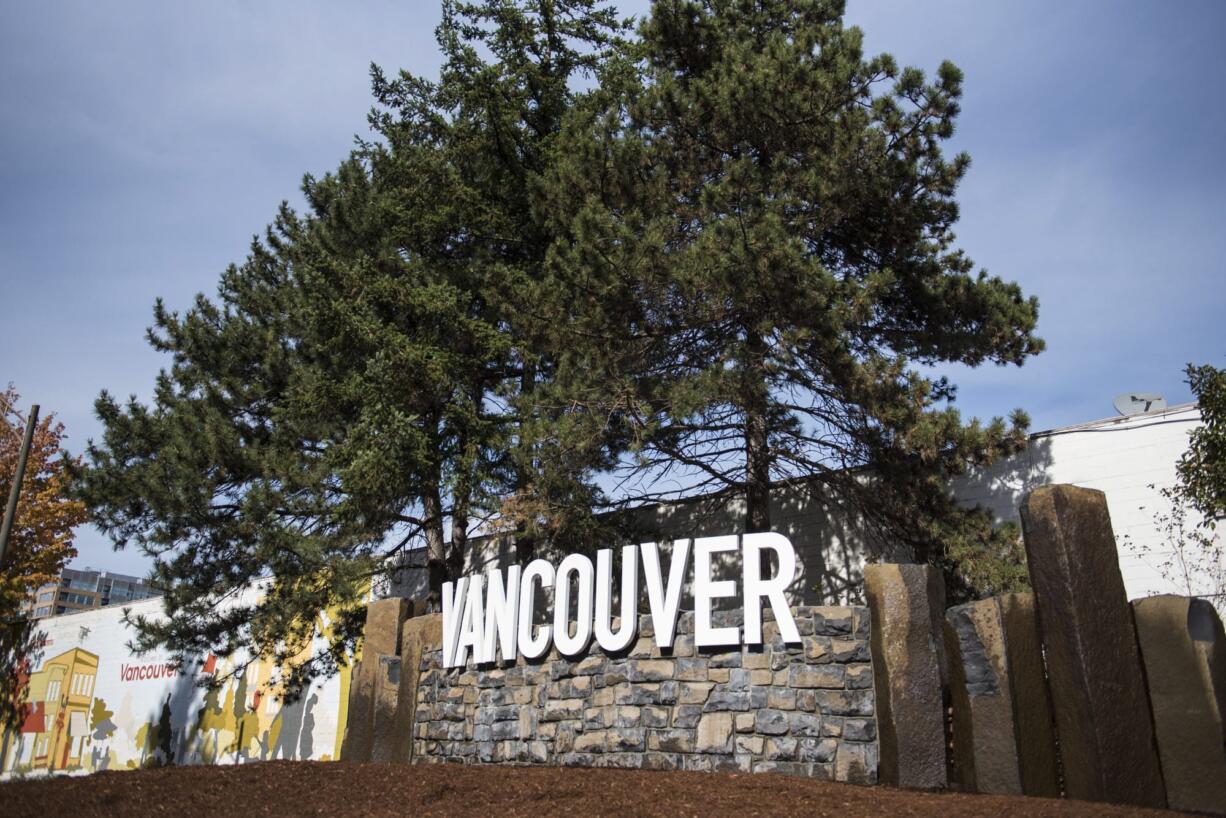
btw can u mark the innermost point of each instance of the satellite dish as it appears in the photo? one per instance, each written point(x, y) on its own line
point(1138, 403)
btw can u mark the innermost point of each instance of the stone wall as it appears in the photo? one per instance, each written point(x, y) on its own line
point(803, 709)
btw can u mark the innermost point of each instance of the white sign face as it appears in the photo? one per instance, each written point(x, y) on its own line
point(492, 614)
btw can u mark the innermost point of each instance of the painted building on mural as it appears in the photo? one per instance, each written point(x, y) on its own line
point(93, 705)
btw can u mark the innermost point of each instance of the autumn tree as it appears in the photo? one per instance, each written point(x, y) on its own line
point(40, 544)
point(41, 541)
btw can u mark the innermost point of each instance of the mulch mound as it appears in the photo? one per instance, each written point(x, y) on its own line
point(341, 789)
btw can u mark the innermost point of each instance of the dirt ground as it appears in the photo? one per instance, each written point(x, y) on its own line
point(340, 789)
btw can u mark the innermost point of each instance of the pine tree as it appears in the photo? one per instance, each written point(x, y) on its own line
point(755, 221)
point(350, 390)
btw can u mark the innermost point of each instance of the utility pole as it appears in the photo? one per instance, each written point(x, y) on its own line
point(10, 511)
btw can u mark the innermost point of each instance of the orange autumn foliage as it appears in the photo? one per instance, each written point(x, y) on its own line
point(41, 541)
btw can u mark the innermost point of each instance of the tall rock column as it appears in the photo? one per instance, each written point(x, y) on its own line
point(1184, 652)
point(1004, 739)
point(1097, 689)
point(375, 683)
point(420, 634)
point(906, 604)
point(1036, 729)
point(985, 735)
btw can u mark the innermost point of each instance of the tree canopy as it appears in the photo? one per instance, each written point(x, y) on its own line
point(350, 390)
point(763, 217)
point(709, 257)
point(1201, 470)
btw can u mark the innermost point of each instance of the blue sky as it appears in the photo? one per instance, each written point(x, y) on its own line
point(143, 143)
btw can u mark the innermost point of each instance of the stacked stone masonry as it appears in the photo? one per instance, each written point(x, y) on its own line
point(804, 709)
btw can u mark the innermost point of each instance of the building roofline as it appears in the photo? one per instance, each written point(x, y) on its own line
point(1119, 422)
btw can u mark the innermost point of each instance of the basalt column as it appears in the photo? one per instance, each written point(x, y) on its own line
point(1094, 668)
point(375, 684)
point(906, 604)
point(985, 735)
point(1036, 729)
point(1185, 667)
point(420, 635)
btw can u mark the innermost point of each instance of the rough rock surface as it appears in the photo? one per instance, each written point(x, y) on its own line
point(1036, 730)
point(374, 684)
point(1098, 693)
point(801, 709)
point(420, 634)
point(906, 604)
point(984, 732)
point(1184, 651)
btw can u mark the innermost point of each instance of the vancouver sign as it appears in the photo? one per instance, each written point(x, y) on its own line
point(496, 612)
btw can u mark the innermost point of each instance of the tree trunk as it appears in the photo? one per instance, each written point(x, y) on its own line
point(436, 554)
point(757, 441)
point(525, 543)
point(462, 502)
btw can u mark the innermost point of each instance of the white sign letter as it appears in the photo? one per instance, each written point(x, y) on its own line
point(664, 606)
point(581, 567)
point(706, 589)
point(613, 642)
point(530, 648)
point(755, 587)
point(473, 623)
point(501, 614)
point(453, 611)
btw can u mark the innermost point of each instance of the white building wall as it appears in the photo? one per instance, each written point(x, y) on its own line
point(1129, 459)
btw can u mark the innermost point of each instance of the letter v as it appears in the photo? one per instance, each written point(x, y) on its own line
point(454, 596)
point(664, 606)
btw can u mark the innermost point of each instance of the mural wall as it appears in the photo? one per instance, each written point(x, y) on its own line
point(93, 705)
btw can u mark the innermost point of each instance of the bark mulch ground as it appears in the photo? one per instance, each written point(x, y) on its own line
point(340, 789)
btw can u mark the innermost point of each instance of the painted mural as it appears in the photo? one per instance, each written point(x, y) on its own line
point(92, 705)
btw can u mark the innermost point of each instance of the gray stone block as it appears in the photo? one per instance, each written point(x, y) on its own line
point(692, 669)
point(823, 676)
point(721, 700)
point(655, 716)
point(780, 748)
point(649, 670)
point(832, 621)
point(671, 740)
point(805, 724)
point(661, 761)
point(820, 750)
point(687, 715)
point(860, 730)
point(846, 702)
point(856, 764)
point(771, 722)
point(625, 739)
